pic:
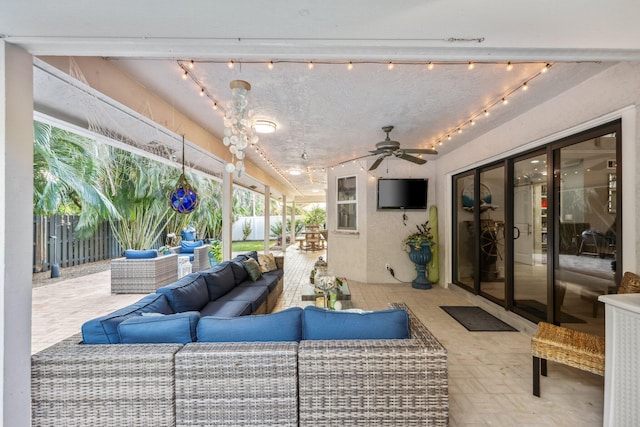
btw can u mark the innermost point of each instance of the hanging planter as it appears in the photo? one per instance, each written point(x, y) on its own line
point(183, 199)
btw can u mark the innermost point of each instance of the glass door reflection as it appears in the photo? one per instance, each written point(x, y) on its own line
point(492, 216)
point(530, 240)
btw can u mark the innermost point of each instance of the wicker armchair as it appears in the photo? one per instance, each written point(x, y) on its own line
point(143, 276)
point(630, 283)
point(200, 257)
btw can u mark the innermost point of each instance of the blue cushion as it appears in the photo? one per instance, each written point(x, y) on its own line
point(226, 309)
point(173, 328)
point(188, 233)
point(265, 280)
point(239, 272)
point(256, 295)
point(321, 324)
point(104, 329)
point(285, 325)
point(219, 280)
point(137, 254)
point(187, 294)
point(190, 256)
point(188, 247)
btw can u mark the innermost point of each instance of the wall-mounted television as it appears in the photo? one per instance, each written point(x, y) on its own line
point(402, 193)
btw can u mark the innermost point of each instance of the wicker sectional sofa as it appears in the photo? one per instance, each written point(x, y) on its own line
point(307, 383)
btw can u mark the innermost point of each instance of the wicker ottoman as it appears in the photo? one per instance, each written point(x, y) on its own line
point(567, 346)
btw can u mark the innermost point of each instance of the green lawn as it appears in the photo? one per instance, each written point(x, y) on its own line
point(249, 245)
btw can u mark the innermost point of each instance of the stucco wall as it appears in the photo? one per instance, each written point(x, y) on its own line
point(607, 96)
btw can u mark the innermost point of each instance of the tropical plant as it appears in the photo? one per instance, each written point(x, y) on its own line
point(422, 237)
point(215, 249)
point(68, 177)
point(317, 216)
point(246, 229)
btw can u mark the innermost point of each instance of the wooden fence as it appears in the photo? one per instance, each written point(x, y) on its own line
point(54, 242)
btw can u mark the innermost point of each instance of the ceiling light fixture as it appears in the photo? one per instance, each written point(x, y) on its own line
point(238, 121)
point(264, 126)
point(295, 172)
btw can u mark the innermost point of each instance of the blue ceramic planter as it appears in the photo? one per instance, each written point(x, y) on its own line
point(421, 256)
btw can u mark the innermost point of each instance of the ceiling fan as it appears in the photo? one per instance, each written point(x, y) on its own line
point(388, 147)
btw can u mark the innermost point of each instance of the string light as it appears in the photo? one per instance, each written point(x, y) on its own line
point(186, 66)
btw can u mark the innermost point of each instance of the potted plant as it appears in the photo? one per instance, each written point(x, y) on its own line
point(418, 246)
point(215, 252)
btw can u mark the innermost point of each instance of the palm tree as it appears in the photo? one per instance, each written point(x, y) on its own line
point(68, 177)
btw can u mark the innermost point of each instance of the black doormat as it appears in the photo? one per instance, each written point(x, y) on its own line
point(539, 310)
point(476, 319)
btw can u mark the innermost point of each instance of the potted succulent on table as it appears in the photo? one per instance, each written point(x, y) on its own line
point(418, 246)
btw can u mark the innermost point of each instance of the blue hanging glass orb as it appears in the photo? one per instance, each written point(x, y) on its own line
point(184, 199)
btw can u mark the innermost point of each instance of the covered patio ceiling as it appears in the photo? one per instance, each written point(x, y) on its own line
point(329, 112)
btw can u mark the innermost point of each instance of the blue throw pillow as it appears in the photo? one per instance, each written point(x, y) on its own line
point(172, 328)
point(321, 324)
point(285, 325)
point(189, 293)
point(139, 254)
point(188, 247)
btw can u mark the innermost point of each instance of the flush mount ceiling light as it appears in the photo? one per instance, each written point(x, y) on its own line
point(264, 126)
point(295, 172)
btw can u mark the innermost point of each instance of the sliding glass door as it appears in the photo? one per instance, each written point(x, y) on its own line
point(530, 235)
point(539, 234)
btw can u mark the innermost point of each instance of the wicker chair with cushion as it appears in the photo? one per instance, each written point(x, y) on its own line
point(144, 275)
point(197, 252)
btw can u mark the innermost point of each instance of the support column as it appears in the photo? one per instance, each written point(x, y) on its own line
point(16, 232)
point(293, 222)
point(284, 223)
point(227, 214)
point(267, 217)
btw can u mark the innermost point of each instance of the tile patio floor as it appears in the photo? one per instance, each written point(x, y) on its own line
point(489, 372)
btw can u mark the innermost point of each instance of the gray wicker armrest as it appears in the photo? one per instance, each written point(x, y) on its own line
point(103, 385)
point(201, 258)
point(237, 384)
point(374, 382)
point(143, 276)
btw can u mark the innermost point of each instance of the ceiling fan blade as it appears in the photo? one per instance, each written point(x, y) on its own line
point(420, 150)
point(377, 162)
point(402, 155)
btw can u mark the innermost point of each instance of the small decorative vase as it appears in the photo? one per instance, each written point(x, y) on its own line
point(420, 256)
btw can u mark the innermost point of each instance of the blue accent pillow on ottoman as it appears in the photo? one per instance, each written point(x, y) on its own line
point(172, 328)
point(285, 325)
point(321, 324)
